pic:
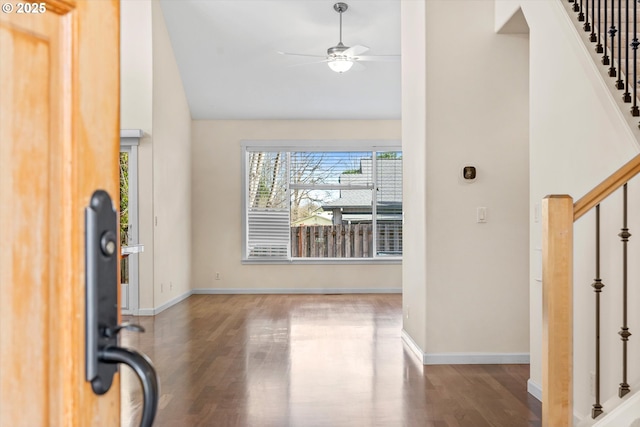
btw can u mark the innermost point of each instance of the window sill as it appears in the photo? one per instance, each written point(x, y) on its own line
point(326, 261)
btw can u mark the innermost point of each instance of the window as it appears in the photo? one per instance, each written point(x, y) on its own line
point(322, 203)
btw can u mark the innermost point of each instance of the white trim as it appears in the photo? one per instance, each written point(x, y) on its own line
point(617, 412)
point(244, 201)
point(133, 298)
point(415, 348)
point(463, 358)
point(134, 236)
point(166, 305)
point(131, 133)
point(310, 291)
point(321, 145)
point(534, 389)
point(476, 358)
point(331, 261)
point(130, 137)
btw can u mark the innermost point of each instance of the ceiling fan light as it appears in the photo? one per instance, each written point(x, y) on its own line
point(340, 65)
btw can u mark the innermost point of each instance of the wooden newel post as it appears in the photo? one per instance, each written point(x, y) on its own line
point(557, 311)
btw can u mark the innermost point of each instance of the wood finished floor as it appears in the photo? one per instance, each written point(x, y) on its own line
point(311, 360)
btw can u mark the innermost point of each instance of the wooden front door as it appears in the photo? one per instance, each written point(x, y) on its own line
point(59, 141)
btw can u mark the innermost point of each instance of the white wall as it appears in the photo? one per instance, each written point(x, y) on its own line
point(152, 99)
point(171, 170)
point(217, 215)
point(578, 137)
point(136, 112)
point(476, 112)
point(414, 128)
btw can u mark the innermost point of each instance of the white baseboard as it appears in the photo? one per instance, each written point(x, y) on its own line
point(534, 389)
point(312, 291)
point(415, 348)
point(476, 358)
point(463, 358)
point(617, 412)
point(163, 307)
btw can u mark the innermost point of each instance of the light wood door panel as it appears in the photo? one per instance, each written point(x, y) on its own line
point(59, 141)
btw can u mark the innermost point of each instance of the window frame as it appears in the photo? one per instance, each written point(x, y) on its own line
point(288, 146)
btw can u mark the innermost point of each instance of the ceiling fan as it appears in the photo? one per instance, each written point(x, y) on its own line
point(340, 58)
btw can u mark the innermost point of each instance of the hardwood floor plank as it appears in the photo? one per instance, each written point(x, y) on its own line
point(311, 360)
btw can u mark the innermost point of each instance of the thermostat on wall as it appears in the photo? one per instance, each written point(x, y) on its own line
point(468, 173)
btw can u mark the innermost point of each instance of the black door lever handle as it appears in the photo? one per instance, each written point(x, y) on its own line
point(145, 371)
point(103, 352)
point(112, 332)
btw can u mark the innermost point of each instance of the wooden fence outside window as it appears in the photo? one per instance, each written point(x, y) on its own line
point(344, 241)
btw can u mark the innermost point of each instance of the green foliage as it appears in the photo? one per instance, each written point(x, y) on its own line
point(124, 199)
point(352, 171)
point(389, 155)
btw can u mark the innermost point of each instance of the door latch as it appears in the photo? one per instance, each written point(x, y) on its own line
point(103, 352)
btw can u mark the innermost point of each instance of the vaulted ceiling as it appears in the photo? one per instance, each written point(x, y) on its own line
point(227, 53)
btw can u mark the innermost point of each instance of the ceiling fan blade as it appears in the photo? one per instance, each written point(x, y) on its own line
point(307, 63)
point(302, 54)
point(355, 50)
point(380, 58)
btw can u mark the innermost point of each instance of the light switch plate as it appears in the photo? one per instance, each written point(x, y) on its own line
point(481, 215)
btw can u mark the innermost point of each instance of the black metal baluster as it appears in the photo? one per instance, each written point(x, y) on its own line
point(587, 23)
point(592, 37)
point(581, 12)
point(612, 33)
point(597, 286)
point(627, 96)
point(599, 37)
point(624, 331)
point(605, 57)
point(620, 82)
point(635, 111)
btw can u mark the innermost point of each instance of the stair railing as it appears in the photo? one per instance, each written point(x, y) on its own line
point(558, 216)
point(612, 24)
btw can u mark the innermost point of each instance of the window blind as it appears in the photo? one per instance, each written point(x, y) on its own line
point(268, 207)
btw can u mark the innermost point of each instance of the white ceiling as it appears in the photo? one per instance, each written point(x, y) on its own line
point(227, 55)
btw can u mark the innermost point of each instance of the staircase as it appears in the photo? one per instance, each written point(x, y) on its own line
point(615, 292)
point(610, 30)
point(618, 414)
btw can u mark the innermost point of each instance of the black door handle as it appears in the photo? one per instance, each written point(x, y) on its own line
point(103, 352)
point(143, 368)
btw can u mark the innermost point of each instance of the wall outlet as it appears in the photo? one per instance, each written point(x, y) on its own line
point(161, 287)
point(407, 312)
point(170, 286)
point(218, 277)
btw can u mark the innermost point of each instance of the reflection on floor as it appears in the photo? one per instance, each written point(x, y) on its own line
point(311, 360)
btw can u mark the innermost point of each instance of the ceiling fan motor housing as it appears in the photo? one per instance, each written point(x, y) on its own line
point(337, 50)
